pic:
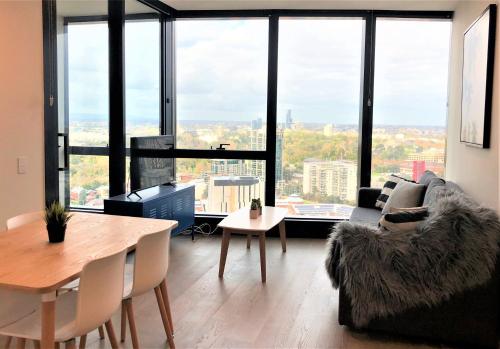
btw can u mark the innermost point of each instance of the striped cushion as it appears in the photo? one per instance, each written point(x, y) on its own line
point(387, 190)
point(404, 219)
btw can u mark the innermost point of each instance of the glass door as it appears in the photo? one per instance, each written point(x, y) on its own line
point(221, 109)
point(319, 83)
point(83, 123)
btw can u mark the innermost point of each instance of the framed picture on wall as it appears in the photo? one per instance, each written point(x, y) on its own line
point(477, 79)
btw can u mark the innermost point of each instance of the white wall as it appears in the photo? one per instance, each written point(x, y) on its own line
point(474, 169)
point(21, 107)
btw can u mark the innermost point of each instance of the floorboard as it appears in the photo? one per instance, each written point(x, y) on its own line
point(296, 308)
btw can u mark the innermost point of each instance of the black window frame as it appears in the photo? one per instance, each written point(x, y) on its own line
point(116, 149)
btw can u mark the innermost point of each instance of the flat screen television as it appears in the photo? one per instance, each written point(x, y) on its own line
point(150, 172)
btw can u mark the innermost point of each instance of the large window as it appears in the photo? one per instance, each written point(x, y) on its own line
point(221, 82)
point(87, 110)
point(221, 98)
point(319, 75)
point(410, 98)
point(347, 97)
point(142, 78)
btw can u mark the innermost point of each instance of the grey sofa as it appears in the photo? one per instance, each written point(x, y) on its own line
point(367, 213)
point(468, 319)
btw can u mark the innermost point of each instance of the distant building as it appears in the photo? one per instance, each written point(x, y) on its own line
point(230, 193)
point(257, 124)
point(279, 154)
point(228, 167)
point(288, 120)
point(429, 155)
point(418, 169)
point(258, 139)
point(330, 178)
point(328, 130)
point(321, 210)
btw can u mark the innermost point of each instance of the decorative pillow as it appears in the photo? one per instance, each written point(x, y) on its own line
point(405, 194)
point(387, 190)
point(430, 192)
point(404, 220)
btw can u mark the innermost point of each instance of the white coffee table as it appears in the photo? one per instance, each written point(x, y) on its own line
point(239, 222)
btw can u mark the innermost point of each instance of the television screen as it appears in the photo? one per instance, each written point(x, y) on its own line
point(149, 172)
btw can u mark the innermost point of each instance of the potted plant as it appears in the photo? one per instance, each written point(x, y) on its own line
point(259, 204)
point(56, 219)
point(254, 209)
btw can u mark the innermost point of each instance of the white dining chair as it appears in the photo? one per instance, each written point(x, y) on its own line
point(26, 218)
point(99, 295)
point(148, 273)
point(15, 305)
point(22, 219)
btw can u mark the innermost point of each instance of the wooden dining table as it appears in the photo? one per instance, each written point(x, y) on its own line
point(29, 263)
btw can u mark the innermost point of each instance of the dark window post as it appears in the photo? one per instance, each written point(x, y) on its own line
point(366, 109)
point(50, 101)
point(116, 23)
point(167, 78)
point(272, 93)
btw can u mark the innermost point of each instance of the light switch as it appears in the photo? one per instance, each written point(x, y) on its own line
point(21, 165)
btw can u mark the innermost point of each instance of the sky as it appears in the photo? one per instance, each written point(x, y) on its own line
point(221, 70)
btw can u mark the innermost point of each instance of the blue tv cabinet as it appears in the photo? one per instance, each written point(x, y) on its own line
point(175, 202)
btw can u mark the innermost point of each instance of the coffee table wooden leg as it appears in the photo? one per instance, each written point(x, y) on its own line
point(283, 235)
point(226, 235)
point(249, 240)
point(48, 319)
point(262, 245)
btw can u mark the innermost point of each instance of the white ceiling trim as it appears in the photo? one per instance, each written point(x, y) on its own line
point(402, 5)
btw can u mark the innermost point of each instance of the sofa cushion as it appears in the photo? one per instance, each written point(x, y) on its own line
point(364, 215)
point(387, 190)
point(405, 194)
point(426, 178)
point(430, 192)
point(403, 220)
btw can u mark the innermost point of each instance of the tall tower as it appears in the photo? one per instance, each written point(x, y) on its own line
point(279, 154)
point(289, 120)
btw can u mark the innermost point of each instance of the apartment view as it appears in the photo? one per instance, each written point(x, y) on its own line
point(249, 174)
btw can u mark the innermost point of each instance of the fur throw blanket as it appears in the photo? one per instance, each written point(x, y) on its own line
point(385, 273)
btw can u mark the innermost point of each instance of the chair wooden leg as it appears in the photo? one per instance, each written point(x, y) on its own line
point(131, 322)
point(20, 343)
point(164, 318)
point(83, 342)
point(249, 240)
point(101, 332)
point(166, 302)
point(226, 235)
point(57, 345)
point(283, 235)
point(123, 327)
point(262, 245)
point(36, 344)
point(8, 340)
point(111, 334)
point(70, 344)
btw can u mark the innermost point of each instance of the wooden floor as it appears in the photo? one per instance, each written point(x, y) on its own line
point(296, 308)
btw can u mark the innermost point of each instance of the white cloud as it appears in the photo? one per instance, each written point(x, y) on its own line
point(222, 70)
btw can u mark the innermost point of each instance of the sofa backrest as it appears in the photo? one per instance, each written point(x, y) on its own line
point(432, 181)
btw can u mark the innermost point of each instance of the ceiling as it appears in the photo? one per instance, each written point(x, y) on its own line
point(96, 7)
point(427, 5)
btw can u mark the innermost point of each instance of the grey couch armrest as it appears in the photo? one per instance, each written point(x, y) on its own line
point(367, 197)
